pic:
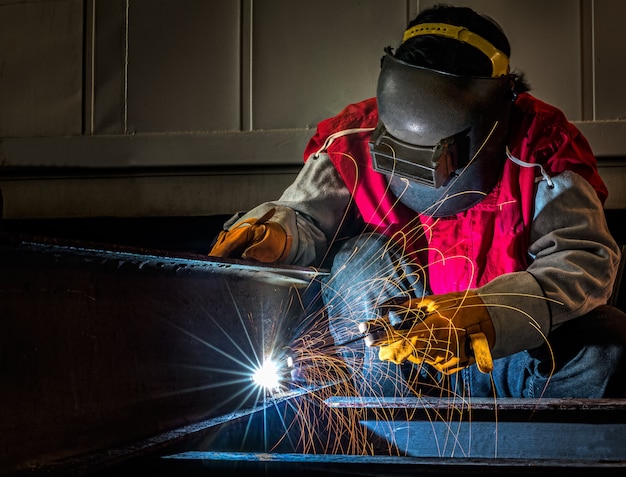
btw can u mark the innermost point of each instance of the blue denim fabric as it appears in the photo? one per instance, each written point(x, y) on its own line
point(583, 357)
point(582, 360)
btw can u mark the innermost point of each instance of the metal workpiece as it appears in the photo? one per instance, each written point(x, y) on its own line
point(101, 346)
point(118, 360)
point(119, 256)
point(434, 436)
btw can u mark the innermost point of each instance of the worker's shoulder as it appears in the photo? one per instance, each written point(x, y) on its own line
point(528, 105)
point(362, 114)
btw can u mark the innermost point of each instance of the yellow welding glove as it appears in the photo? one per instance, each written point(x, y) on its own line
point(254, 239)
point(449, 332)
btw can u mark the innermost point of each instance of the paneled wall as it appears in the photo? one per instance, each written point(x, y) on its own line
point(197, 107)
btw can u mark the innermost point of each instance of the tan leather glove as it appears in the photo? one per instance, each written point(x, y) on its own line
point(449, 332)
point(255, 239)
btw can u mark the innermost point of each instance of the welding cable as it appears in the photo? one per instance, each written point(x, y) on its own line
point(338, 134)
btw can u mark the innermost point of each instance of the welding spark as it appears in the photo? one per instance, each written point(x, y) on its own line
point(268, 375)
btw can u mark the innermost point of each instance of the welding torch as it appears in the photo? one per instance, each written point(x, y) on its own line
point(396, 325)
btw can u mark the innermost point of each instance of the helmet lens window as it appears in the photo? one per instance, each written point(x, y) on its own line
point(431, 166)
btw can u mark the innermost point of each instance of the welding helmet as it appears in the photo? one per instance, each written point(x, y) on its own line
point(441, 137)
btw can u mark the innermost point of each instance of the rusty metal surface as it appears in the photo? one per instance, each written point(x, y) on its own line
point(283, 275)
point(100, 347)
point(316, 465)
point(537, 406)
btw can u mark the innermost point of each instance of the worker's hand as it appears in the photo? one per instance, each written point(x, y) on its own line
point(255, 239)
point(449, 332)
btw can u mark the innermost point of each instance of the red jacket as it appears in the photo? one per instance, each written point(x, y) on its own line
point(473, 247)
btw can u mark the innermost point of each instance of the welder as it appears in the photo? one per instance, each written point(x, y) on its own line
point(462, 222)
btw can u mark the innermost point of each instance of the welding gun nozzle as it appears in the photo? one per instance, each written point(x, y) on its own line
point(374, 332)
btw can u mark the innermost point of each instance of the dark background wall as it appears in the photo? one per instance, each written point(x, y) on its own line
point(148, 108)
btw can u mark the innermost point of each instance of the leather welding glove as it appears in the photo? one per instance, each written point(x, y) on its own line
point(448, 332)
point(255, 239)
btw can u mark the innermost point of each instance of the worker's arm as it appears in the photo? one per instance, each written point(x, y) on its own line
point(308, 213)
point(574, 263)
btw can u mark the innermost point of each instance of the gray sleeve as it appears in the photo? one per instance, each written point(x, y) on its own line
point(574, 261)
point(311, 209)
